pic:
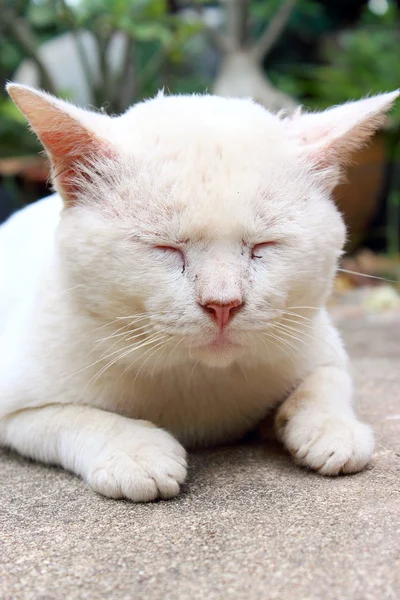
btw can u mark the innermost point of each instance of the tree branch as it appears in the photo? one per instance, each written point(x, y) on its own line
point(273, 31)
point(237, 21)
point(103, 89)
point(22, 33)
point(218, 39)
point(79, 45)
point(125, 81)
point(150, 70)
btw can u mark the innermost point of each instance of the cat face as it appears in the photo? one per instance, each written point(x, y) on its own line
point(185, 246)
point(200, 220)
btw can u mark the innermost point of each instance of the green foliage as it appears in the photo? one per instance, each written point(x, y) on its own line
point(362, 60)
point(15, 139)
point(352, 63)
point(309, 17)
point(393, 223)
point(156, 46)
point(42, 15)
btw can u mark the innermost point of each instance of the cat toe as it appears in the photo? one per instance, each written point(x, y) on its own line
point(328, 445)
point(140, 470)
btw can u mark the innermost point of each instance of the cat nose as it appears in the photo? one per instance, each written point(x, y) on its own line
point(223, 313)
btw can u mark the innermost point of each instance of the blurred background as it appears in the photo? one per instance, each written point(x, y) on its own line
point(109, 54)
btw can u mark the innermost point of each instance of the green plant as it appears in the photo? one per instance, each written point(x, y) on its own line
point(12, 130)
point(353, 63)
point(156, 44)
point(359, 61)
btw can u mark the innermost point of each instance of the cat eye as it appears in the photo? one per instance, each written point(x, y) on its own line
point(172, 250)
point(259, 247)
point(168, 249)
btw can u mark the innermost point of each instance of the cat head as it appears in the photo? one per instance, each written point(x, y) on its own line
point(202, 219)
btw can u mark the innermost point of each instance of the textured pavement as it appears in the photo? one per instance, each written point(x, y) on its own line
point(248, 525)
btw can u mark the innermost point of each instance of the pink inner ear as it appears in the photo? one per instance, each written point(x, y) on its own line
point(330, 137)
point(68, 134)
point(68, 151)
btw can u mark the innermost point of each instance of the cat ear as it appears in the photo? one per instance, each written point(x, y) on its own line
point(329, 138)
point(69, 135)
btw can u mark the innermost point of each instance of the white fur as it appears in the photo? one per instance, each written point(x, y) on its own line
point(25, 243)
point(99, 319)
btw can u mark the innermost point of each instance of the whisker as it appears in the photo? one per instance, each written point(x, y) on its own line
point(294, 314)
point(103, 358)
point(143, 330)
point(265, 344)
point(161, 314)
point(155, 331)
point(170, 354)
point(295, 347)
point(396, 281)
point(301, 320)
point(288, 329)
point(119, 333)
point(300, 325)
point(121, 356)
point(131, 347)
point(243, 371)
point(156, 349)
point(132, 337)
point(74, 287)
point(116, 320)
point(289, 344)
point(193, 368)
point(134, 318)
point(174, 350)
point(128, 367)
point(308, 307)
point(310, 336)
point(190, 350)
point(280, 348)
point(294, 337)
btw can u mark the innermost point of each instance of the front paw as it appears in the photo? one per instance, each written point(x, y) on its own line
point(142, 465)
point(327, 444)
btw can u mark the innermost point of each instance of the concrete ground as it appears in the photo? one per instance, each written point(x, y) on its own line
point(248, 525)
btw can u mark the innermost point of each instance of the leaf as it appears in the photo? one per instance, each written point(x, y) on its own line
point(42, 14)
point(145, 32)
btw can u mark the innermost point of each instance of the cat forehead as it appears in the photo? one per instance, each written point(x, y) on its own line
point(167, 124)
point(201, 109)
point(210, 164)
point(208, 147)
point(204, 201)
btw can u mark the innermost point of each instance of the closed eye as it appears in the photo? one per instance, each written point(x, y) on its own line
point(257, 250)
point(168, 249)
point(173, 252)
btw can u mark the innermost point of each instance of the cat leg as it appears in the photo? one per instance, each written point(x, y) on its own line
point(116, 456)
point(318, 425)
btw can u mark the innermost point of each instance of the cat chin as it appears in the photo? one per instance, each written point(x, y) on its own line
point(218, 359)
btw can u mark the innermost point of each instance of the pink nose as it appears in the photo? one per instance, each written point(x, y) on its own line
point(223, 313)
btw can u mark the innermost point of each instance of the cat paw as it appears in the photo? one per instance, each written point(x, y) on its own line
point(326, 444)
point(140, 466)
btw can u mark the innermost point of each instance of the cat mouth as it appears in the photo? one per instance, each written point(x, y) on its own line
point(220, 351)
point(221, 343)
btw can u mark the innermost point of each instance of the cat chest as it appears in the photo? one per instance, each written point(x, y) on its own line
point(204, 407)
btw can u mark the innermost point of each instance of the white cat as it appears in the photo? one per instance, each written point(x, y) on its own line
point(177, 291)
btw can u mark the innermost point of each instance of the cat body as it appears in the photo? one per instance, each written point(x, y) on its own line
point(174, 290)
point(45, 333)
